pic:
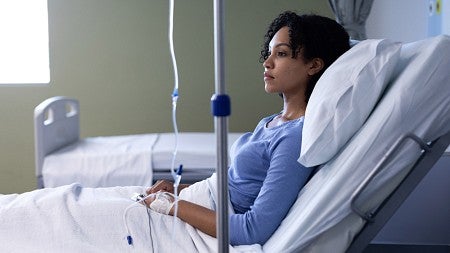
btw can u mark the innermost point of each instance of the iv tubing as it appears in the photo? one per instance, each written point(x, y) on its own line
point(172, 51)
point(176, 176)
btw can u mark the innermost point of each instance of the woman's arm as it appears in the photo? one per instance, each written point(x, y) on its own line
point(197, 216)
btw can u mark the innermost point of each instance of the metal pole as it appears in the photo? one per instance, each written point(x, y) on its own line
point(221, 128)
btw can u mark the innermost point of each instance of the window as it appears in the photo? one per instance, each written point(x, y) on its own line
point(24, 52)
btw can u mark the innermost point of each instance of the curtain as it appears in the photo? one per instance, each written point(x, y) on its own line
point(352, 15)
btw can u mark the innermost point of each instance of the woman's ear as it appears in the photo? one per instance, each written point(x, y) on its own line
point(315, 66)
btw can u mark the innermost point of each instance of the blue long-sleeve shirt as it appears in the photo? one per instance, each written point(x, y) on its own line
point(264, 180)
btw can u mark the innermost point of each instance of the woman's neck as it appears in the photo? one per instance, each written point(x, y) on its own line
point(293, 109)
point(287, 115)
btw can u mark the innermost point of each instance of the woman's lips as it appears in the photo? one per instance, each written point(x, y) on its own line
point(267, 76)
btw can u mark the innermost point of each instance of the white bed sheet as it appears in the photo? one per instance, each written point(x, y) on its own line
point(102, 162)
point(129, 159)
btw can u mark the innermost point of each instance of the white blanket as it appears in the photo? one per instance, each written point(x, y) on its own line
point(76, 219)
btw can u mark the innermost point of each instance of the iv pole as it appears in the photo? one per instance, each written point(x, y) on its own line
point(220, 106)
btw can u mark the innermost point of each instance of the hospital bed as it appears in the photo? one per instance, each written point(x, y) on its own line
point(62, 157)
point(393, 138)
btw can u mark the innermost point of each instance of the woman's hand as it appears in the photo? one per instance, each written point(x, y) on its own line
point(149, 199)
point(165, 186)
point(161, 202)
point(161, 185)
point(196, 215)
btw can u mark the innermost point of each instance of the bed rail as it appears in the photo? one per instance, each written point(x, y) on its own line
point(378, 217)
point(368, 215)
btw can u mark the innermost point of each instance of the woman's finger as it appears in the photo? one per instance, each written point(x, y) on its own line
point(160, 185)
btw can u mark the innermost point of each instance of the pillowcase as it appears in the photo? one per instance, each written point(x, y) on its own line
point(344, 97)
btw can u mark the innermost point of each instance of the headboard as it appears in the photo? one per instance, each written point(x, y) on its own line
point(56, 124)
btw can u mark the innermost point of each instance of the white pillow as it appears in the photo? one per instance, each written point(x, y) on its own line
point(344, 97)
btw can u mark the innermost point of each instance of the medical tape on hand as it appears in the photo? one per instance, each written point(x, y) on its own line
point(163, 202)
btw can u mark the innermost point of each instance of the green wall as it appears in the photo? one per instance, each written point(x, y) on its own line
point(113, 56)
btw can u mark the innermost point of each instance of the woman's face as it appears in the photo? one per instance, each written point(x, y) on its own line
point(282, 73)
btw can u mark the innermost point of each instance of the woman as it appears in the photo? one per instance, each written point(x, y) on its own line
point(264, 176)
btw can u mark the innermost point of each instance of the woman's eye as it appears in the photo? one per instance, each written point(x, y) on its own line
point(281, 53)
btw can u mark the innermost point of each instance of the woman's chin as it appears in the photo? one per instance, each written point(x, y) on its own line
point(269, 89)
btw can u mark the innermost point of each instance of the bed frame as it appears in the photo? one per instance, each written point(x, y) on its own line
point(376, 219)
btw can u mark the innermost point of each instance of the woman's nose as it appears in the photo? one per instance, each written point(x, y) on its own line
point(267, 63)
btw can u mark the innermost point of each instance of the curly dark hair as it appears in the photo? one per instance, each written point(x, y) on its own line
point(317, 36)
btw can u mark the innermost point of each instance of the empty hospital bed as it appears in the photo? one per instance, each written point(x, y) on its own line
point(359, 183)
point(62, 157)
